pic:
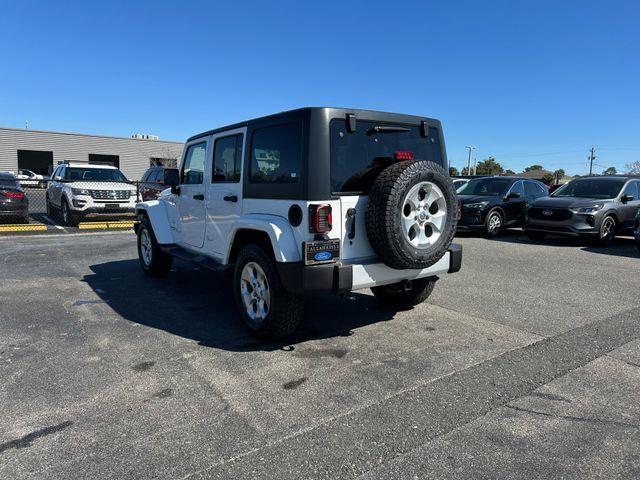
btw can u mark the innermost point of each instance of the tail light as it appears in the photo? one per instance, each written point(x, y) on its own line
point(10, 194)
point(404, 155)
point(320, 219)
point(458, 209)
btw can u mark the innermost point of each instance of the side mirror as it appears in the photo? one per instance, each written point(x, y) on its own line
point(171, 177)
point(514, 195)
point(626, 198)
point(175, 189)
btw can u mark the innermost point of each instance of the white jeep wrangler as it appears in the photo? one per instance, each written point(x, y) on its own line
point(315, 200)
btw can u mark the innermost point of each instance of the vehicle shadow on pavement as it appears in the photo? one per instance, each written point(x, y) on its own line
point(621, 246)
point(198, 304)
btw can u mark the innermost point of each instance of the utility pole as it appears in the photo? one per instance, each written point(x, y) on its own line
point(470, 148)
point(475, 165)
point(592, 157)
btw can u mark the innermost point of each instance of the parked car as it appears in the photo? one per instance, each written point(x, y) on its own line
point(490, 204)
point(459, 182)
point(28, 178)
point(369, 206)
point(596, 207)
point(636, 230)
point(14, 204)
point(79, 189)
point(155, 180)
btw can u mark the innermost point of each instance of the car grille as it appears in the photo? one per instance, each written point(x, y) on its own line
point(542, 213)
point(110, 194)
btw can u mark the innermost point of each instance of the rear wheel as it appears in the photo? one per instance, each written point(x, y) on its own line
point(267, 310)
point(154, 262)
point(493, 224)
point(404, 295)
point(607, 231)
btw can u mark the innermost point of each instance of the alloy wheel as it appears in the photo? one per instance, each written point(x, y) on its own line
point(254, 289)
point(424, 214)
point(146, 248)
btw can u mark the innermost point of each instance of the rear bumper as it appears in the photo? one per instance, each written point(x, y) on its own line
point(340, 278)
point(13, 209)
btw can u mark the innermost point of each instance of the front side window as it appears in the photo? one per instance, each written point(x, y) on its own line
point(632, 190)
point(227, 153)
point(532, 189)
point(276, 154)
point(494, 187)
point(193, 167)
point(518, 188)
point(598, 188)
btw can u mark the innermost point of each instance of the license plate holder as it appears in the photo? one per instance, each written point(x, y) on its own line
point(321, 251)
point(113, 207)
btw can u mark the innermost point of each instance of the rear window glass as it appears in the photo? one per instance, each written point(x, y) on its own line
point(354, 155)
point(8, 180)
point(276, 154)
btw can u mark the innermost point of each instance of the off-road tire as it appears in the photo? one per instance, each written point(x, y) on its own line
point(160, 263)
point(384, 214)
point(285, 309)
point(488, 231)
point(605, 241)
point(394, 296)
point(536, 236)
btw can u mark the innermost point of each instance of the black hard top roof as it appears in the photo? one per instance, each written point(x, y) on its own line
point(332, 112)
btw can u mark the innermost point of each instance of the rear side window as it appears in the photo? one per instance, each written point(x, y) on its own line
point(355, 156)
point(532, 189)
point(276, 154)
point(193, 167)
point(227, 159)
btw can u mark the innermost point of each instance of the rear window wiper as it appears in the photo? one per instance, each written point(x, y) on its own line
point(386, 129)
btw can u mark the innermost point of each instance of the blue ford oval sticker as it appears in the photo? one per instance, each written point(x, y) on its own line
point(322, 256)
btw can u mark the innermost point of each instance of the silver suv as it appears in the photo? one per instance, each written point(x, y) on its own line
point(594, 207)
point(79, 189)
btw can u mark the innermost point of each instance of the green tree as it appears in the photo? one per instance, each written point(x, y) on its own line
point(557, 175)
point(466, 171)
point(534, 167)
point(508, 171)
point(489, 166)
point(547, 179)
point(610, 171)
point(453, 172)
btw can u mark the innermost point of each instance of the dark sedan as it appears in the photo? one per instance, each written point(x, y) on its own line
point(636, 229)
point(491, 204)
point(14, 205)
point(155, 180)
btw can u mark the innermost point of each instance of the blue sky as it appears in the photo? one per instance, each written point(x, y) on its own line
point(527, 82)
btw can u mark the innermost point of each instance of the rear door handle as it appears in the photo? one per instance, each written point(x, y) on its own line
point(230, 198)
point(199, 196)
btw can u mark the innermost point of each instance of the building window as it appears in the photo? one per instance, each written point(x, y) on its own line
point(100, 159)
point(37, 161)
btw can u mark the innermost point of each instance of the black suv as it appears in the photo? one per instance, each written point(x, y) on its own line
point(593, 207)
point(491, 204)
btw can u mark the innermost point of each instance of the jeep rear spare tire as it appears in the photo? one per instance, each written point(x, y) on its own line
point(411, 217)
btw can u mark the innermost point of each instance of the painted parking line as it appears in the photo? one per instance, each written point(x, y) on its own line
point(35, 227)
point(104, 225)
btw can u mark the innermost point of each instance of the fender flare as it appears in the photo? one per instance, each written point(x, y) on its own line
point(283, 240)
point(157, 214)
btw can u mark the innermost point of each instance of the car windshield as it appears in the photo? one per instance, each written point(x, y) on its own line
point(356, 156)
point(494, 187)
point(95, 174)
point(591, 188)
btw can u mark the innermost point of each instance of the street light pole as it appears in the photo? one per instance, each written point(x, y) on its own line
point(470, 148)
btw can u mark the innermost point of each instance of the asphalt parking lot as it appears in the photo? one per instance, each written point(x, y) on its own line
point(526, 364)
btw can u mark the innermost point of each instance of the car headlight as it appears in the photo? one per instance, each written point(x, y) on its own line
point(476, 206)
point(591, 209)
point(80, 191)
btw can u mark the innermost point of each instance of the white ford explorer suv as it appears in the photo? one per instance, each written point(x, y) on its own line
point(79, 189)
point(315, 200)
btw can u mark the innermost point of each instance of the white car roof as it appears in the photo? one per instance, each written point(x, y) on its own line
point(90, 165)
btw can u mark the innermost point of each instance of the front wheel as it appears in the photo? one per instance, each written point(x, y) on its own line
point(607, 231)
point(493, 224)
point(68, 217)
point(154, 262)
point(267, 310)
point(404, 295)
